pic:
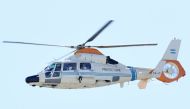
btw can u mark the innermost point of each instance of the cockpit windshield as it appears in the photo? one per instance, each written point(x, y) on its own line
point(50, 67)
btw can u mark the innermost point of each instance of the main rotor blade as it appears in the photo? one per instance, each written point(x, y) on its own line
point(28, 43)
point(117, 46)
point(98, 32)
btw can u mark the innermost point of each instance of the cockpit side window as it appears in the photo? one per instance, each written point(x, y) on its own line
point(85, 66)
point(50, 68)
point(58, 67)
point(69, 66)
point(53, 70)
point(56, 74)
point(48, 74)
point(57, 70)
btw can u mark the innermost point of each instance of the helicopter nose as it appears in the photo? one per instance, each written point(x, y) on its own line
point(32, 79)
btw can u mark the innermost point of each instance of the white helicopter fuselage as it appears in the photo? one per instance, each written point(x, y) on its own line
point(99, 72)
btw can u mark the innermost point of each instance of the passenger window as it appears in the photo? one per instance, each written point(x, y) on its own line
point(69, 66)
point(85, 66)
point(58, 67)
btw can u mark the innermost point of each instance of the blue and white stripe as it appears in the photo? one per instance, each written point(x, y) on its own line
point(133, 74)
point(173, 51)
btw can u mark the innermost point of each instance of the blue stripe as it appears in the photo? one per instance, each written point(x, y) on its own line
point(173, 52)
point(133, 74)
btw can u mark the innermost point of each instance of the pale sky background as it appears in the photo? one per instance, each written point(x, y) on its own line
point(72, 22)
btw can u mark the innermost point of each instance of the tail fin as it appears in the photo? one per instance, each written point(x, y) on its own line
point(169, 69)
point(172, 50)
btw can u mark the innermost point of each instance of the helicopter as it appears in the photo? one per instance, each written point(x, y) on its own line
point(88, 67)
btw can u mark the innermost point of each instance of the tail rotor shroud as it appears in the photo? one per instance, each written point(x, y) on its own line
point(172, 71)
